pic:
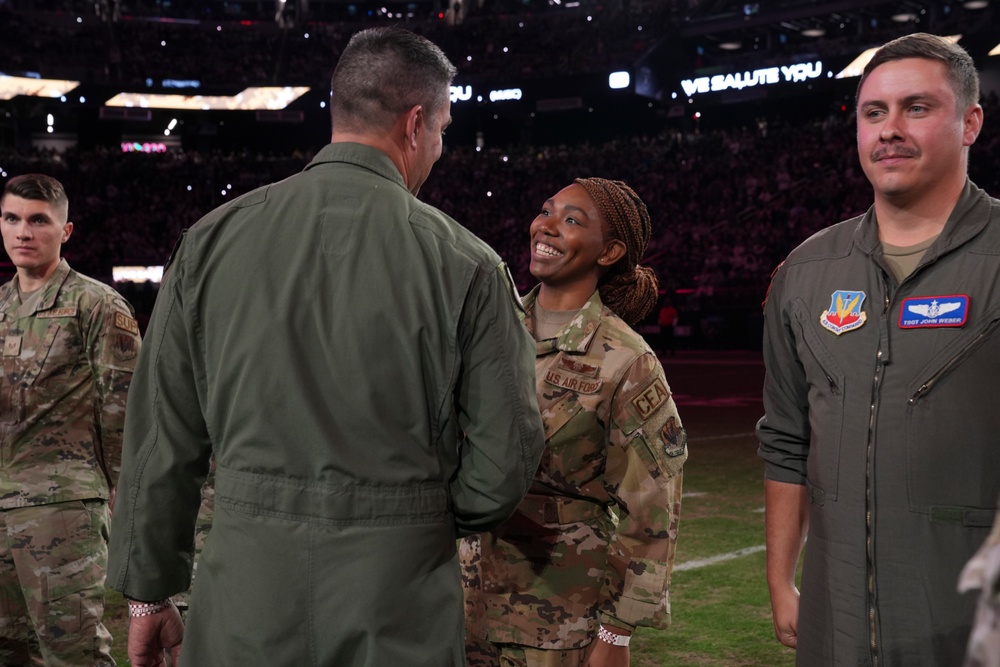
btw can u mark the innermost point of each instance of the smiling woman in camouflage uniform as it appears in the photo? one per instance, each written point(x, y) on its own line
point(588, 554)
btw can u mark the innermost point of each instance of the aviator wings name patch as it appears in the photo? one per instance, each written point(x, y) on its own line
point(925, 312)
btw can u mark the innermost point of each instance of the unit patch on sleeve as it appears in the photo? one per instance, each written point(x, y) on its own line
point(123, 347)
point(126, 323)
point(844, 313)
point(926, 312)
point(651, 398)
point(674, 438)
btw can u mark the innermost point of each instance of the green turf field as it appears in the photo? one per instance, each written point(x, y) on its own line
point(721, 614)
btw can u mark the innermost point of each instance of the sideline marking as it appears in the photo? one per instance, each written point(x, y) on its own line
point(704, 562)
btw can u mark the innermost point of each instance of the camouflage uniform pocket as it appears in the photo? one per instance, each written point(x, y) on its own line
point(644, 582)
point(75, 584)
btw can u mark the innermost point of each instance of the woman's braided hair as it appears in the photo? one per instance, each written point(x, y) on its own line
point(628, 289)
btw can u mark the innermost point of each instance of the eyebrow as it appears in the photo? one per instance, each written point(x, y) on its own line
point(567, 207)
point(906, 101)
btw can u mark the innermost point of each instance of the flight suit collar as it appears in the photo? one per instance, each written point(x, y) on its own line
point(969, 217)
point(576, 336)
point(361, 155)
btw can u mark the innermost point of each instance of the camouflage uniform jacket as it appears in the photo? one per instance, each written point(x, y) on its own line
point(595, 538)
point(67, 363)
point(983, 572)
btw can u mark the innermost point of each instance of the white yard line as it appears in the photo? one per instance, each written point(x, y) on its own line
point(704, 562)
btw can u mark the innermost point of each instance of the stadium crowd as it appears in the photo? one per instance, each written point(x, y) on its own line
point(727, 205)
point(150, 41)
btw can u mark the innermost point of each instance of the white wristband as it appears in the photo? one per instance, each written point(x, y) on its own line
point(137, 609)
point(613, 637)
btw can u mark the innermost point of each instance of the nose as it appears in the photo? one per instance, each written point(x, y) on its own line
point(542, 225)
point(891, 128)
point(23, 231)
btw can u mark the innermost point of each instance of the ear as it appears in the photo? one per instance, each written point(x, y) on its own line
point(613, 251)
point(414, 123)
point(972, 124)
point(67, 231)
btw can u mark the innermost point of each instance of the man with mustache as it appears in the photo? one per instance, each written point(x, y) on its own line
point(882, 349)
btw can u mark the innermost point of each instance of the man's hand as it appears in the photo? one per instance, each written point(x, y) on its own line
point(785, 612)
point(151, 638)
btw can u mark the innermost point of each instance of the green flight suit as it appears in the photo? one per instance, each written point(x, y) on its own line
point(355, 360)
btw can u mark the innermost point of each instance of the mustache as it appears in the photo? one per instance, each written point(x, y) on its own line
point(893, 151)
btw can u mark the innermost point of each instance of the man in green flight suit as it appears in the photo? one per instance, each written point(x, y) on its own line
point(355, 361)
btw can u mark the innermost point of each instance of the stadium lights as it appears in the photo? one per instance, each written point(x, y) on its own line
point(137, 274)
point(250, 99)
point(619, 80)
point(12, 86)
point(857, 66)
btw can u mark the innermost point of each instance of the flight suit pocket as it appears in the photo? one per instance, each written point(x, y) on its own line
point(825, 398)
point(952, 459)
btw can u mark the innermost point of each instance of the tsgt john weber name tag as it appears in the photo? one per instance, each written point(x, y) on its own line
point(924, 312)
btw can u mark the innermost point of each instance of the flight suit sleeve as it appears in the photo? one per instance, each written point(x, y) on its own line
point(496, 406)
point(112, 339)
point(166, 453)
point(783, 431)
point(646, 454)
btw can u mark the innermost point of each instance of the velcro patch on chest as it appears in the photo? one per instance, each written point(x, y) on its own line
point(126, 323)
point(11, 346)
point(57, 312)
point(578, 367)
point(650, 399)
point(927, 312)
point(573, 382)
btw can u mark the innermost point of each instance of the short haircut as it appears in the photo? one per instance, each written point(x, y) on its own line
point(38, 187)
point(382, 73)
point(961, 69)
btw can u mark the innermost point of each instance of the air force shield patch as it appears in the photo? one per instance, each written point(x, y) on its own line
point(845, 312)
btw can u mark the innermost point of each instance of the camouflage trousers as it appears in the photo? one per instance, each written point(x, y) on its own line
point(481, 653)
point(983, 572)
point(202, 528)
point(53, 560)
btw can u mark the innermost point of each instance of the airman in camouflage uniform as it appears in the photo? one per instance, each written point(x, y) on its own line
point(69, 346)
point(983, 572)
point(594, 540)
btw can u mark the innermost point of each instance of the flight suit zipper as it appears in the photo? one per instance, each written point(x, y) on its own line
point(869, 491)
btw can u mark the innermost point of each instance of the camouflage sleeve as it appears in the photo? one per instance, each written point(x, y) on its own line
point(112, 346)
point(646, 453)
